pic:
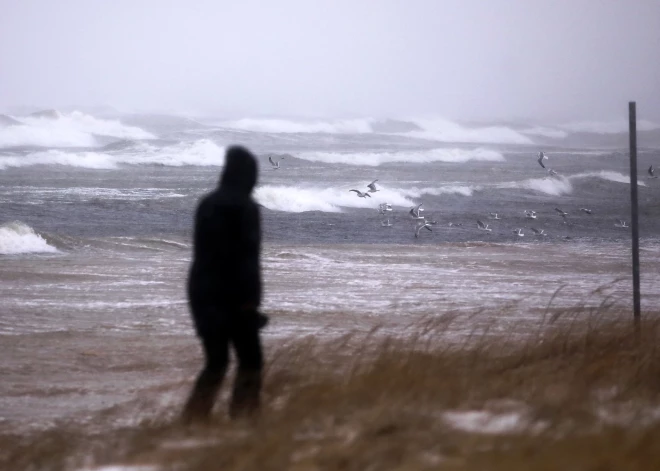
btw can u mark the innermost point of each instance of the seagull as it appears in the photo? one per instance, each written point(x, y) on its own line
point(652, 172)
point(384, 207)
point(540, 159)
point(414, 212)
point(428, 221)
point(482, 226)
point(421, 226)
point(551, 172)
point(561, 213)
point(360, 194)
point(530, 214)
point(621, 223)
point(372, 187)
point(518, 232)
point(538, 232)
point(586, 210)
point(455, 224)
point(276, 165)
point(386, 223)
point(495, 216)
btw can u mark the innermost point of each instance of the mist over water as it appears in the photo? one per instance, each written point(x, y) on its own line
point(114, 121)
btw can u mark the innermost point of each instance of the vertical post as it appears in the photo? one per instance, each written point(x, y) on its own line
point(634, 221)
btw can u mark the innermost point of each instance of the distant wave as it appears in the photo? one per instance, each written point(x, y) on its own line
point(202, 153)
point(373, 159)
point(556, 186)
point(443, 190)
point(607, 127)
point(66, 130)
point(17, 238)
point(331, 200)
point(563, 185)
point(606, 175)
point(444, 130)
point(345, 126)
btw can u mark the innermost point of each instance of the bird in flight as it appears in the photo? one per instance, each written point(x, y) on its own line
point(540, 159)
point(372, 187)
point(275, 165)
point(360, 194)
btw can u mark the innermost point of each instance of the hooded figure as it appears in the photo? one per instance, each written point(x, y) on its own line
point(224, 287)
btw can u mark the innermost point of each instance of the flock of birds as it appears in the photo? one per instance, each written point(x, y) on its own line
point(421, 222)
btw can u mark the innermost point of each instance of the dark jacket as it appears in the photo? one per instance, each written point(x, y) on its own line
point(225, 275)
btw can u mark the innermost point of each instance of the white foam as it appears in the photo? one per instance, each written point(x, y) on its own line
point(373, 159)
point(555, 186)
point(16, 238)
point(486, 422)
point(300, 199)
point(606, 175)
point(443, 130)
point(345, 126)
point(202, 153)
point(67, 130)
point(546, 132)
point(443, 190)
point(93, 160)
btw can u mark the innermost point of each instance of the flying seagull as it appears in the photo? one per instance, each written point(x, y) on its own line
point(561, 213)
point(386, 223)
point(276, 165)
point(538, 232)
point(482, 226)
point(530, 214)
point(495, 216)
point(518, 232)
point(421, 226)
point(372, 187)
point(586, 210)
point(551, 172)
point(540, 159)
point(621, 223)
point(360, 194)
point(414, 212)
point(652, 172)
point(384, 208)
point(455, 224)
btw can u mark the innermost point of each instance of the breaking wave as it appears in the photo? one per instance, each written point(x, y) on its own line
point(75, 129)
point(202, 153)
point(561, 185)
point(346, 126)
point(17, 238)
point(330, 200)
point(608, 127)
point(448, 131)
point(606, 175)
point(373, 159)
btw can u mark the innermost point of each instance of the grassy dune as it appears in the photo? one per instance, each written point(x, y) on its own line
point(580, 393)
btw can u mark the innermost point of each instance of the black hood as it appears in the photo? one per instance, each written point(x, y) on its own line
point(240, 173)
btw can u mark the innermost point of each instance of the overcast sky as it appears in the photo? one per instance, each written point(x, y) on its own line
point(550, 59)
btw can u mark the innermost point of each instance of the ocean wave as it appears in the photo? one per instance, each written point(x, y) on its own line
point(606, 175)
point(373, 159)
point(201, 153)
point(448, 131)
point(546, 132)
point(608, 127)
point(18, 238)
point(345, 126)
point(555, 186)
point(462, 190)
point(563, 185)
point(66, 130)
point(331, 200)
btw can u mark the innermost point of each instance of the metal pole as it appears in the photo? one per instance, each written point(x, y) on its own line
point(634, 221)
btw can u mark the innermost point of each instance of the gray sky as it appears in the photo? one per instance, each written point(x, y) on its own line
point(550, 59)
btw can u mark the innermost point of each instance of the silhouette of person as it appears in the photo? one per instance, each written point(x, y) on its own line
point(224, 288)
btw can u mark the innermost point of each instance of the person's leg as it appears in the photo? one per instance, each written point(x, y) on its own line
point(247, 385)
point(200, 402)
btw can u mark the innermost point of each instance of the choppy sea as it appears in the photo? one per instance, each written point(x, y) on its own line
point(95, 239)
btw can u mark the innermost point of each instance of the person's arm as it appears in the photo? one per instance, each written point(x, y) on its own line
point(250, 270)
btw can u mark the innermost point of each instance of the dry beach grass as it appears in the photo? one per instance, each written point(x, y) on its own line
point(580, 393)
